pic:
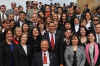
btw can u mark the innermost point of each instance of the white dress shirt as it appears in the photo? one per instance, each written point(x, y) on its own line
point(25, 48)
point(21, 23)
point(50, 34)
point(88, 24)
point(48, 59)
point(16, 18)
point(76, 27)
point(5, 17)
point(98, 38)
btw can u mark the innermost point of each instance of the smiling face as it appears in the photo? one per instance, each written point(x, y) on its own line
point(35, 32)
point(91, 37)
point(25, 27)
point(82, 31)
point(24, 39)
point(75, 40)
point(44, 45)
point(18, 31)
point(9, 36)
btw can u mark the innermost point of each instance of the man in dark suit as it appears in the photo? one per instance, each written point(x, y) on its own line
point(55, 38)
point(44, 57)
point(22, 19)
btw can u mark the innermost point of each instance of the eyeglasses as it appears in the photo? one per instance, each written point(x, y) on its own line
point(95, 20)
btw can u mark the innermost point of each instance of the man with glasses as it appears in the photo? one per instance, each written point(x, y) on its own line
point(97, 33)
point(95, 21)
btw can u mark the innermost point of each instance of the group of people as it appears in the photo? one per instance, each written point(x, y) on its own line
point(49, 35)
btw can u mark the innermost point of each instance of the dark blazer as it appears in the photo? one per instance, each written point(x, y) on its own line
point(8, 55)
point(58, 41)
point(62, 50)
point(37, 59)
point(1, 54)
point(25, 21)
point(23, 59)
point(96, 55)
point(35, 44)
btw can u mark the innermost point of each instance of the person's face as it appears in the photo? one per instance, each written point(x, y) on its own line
point(25, 27)
point(3, 9)
point(24, 39)
point(53, 8)
point(22, 16)
point(11, 17)
point(21, 9)
point(41, 14)
point(98, 28)
point(9, 35)
point(68, 33)
point(12, 24)
point(83, 23)
point(44, 45)
point(78, 10)
point(52, 27)
point(56, 23)
point(88, 16)
point(82, 31)
point(47, 8)
point(35, 32)
point(64, 17)
point(18, 32)
point(13, 5)
point(55, 16)
point(76, 21)
point(8, 25)
point(59, 10)
point(16, 11)
point(34, 18)
point(91, 37)
point(49, 20)
point(95, 20)
point(67, 26)
point(74, 40)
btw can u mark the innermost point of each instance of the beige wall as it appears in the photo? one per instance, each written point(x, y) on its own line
point(91, 3)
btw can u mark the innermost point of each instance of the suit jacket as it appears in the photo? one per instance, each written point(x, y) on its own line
point(22, 59)
point(1, 54)
point(69, 53)
point(96, 55)
point(8, 55)
point(58, 41)
point(19, 25)
point(37, 59)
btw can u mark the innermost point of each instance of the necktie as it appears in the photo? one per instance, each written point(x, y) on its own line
point(52, 41)
point(45, 59)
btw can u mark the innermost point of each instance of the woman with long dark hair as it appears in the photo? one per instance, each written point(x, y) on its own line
point(92, 51)
point(74, 55)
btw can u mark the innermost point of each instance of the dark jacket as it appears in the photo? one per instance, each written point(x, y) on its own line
point(37, 59)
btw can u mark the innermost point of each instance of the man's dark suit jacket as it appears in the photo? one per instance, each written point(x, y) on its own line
point(21, 58)
point(37, 59)
point(25, 21)
point(7, 54)
point(58, 42)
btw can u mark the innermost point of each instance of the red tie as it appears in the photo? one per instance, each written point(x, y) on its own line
point(52, 41)
point(45, 59)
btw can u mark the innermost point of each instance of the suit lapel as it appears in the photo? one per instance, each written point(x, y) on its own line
point(87, 53)
point(28, 50)
point(21, 50)
point(41, 59)
point(96, 53)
